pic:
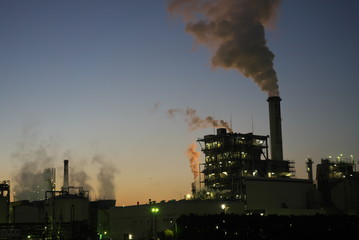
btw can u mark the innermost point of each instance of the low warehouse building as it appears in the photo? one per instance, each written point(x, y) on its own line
point(153, 219)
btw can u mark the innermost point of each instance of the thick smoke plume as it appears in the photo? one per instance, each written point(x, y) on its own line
point(235, 30)
point(106, 177)
point(193, 157)
point(195, 122)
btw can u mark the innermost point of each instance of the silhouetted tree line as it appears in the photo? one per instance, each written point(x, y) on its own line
point(228, 227)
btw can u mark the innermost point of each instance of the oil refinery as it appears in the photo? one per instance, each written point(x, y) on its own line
point(238, 177)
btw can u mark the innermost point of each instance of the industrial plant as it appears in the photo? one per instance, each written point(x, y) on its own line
point(238, 177)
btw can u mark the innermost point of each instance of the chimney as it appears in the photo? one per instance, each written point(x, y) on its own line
point(275, 125)
point(66, 174)
point(309, 164)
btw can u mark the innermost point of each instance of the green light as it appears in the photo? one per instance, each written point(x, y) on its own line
point(28, 236)
point(154, 210)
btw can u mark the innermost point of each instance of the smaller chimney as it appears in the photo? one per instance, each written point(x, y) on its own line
point(309, 164)
point(66, 174)
point(221, 131)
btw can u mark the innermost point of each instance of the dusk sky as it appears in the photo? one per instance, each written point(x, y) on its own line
point(91, 81)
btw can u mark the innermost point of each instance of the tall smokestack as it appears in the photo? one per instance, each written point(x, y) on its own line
point(66, 174)
point(275, 125)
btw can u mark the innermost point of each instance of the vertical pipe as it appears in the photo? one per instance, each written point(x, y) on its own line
point(66, 174)
point(309, 164)
point(54, 182)
point(275, 125)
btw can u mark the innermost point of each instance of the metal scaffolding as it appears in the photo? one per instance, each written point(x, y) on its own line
point(231, 157)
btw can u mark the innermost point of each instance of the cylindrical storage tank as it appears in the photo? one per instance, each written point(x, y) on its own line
point(67, 208)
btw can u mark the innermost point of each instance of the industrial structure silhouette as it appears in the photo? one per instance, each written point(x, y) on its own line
point(238, 177)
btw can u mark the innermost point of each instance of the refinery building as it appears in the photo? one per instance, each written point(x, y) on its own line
point(238, 176)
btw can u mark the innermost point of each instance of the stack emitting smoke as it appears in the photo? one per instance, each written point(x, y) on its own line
point(235, 31)
point(31, 180)
point(275, 125)
point(66, 175)
point(105, 176)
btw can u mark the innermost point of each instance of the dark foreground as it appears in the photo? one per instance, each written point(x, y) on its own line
point(268, 227)
point(219, 227)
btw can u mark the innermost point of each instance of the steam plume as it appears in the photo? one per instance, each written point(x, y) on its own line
point(193, 157)
point(106, 177)
point(195, 122)
point(235, 30)
point(31, 179)
point(80, 178)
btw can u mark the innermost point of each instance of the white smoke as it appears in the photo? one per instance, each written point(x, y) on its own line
point(106, 177)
